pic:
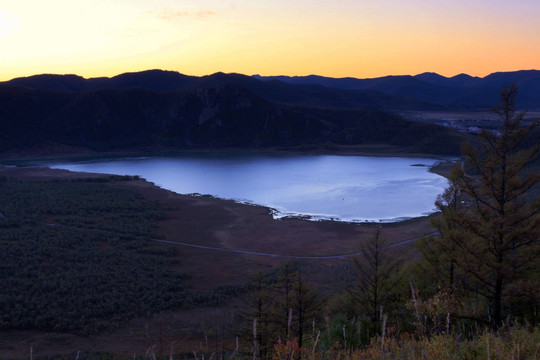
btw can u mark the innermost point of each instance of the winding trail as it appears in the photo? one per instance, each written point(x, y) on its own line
point(322, 257)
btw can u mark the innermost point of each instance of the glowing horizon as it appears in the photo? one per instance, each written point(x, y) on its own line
point(343, 38)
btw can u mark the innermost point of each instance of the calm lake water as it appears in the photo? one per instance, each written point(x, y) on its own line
point(345, 188)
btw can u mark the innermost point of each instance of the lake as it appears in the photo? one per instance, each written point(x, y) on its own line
point(344, 188)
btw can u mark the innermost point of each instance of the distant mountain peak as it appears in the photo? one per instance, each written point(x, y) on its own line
point(463, 75)
point(427, 89)
point(430, 73)
point(431, 77)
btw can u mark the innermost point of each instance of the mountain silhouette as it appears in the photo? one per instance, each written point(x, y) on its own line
point(461, 90)
point(426, 91)
point(275, 91)
point(158, 109)
point(164, 110)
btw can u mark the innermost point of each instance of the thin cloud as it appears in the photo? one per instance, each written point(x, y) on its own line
point(203, 14)
point(175, 14)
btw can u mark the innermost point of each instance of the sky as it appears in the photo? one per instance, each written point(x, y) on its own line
point(337, 38)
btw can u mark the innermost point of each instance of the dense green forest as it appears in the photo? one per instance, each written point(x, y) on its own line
point(75, 257)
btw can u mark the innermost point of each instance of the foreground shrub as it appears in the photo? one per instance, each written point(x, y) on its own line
point(516, 343)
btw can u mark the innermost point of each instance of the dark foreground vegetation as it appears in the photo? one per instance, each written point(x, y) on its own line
point(511, 343)
point(77, 260)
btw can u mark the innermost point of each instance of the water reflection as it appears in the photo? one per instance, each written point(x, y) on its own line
point(346, 188)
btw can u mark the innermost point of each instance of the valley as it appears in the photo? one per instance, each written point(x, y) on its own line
point(115, 266)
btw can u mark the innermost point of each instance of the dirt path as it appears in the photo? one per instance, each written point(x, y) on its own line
point(322, 257)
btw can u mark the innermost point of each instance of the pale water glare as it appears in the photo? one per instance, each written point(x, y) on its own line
point(344, 188)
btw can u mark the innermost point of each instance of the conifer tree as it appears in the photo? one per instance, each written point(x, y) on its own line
point(490, 222)
point(255, 317)
point(306, 308)
point(437, 267)
point(282, 308)
point(377, 278)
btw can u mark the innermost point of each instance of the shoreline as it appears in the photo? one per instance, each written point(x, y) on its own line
point(371, 150)
point(242, 209)
point(42, 162)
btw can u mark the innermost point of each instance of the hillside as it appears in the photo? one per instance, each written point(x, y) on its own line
point(217, 116)
point(273, 91)
point(460, 90)
point(426, 91)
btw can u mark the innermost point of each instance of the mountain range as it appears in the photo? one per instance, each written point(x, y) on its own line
point(426, 91)
point(461, 90)
point(158, 109)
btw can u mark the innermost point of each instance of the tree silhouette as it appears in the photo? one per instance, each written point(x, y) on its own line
point(437, 268)
point(306, 308)
point(490, 223)
point(376, 280)
point(254, 318)
point(282, 307)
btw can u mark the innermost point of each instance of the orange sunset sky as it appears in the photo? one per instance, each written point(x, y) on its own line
point(335, 38)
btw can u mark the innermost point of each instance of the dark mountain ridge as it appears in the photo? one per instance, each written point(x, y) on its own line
point(155, 80)
point(218, 116)
point(166, 109)
point(461, 80)
point(426, 91)
point(274, 91)
point(459, 90)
